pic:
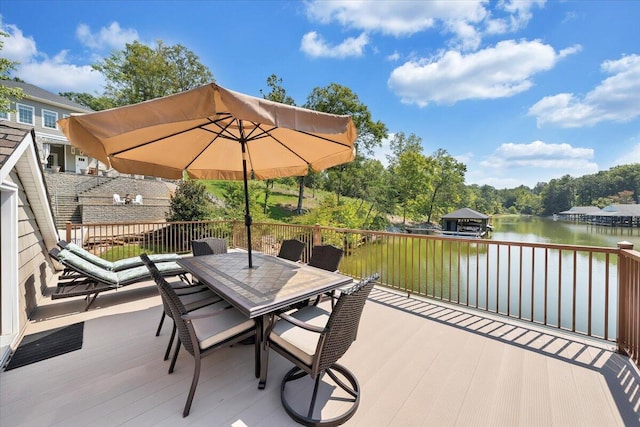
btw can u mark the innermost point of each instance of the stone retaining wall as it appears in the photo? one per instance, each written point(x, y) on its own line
point(108, 200)
point(122, 213)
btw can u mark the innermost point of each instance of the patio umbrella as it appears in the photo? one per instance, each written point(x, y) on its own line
point(214, 133)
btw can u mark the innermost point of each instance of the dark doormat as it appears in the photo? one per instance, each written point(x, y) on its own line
point(46, 344)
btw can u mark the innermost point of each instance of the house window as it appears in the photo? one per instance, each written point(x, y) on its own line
point(49, 119)
point(25, 114)
point(4, 115)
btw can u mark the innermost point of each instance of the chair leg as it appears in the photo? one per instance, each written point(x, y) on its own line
point(160, 325)
point(194, 384)
point(349, 385)
point(173, 335)
point(312, 405)
point(257, 362)
point(175, 356)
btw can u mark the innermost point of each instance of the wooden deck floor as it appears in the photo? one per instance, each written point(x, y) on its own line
point(419, 363)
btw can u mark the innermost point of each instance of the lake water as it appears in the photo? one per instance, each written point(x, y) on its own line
point(546, 230)
point(510, 279)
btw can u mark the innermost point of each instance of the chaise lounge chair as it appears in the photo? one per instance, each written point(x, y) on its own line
point(84, 278)
point(122, 264)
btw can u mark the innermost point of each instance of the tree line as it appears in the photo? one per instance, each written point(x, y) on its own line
point(415, 186)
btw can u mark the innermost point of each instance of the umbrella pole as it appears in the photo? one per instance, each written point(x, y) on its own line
point(247, 216)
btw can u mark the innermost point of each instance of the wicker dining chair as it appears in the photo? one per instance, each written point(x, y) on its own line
point(314, 340)
point(209, 246)
point(326, 257)
point(193, 296)
point(291, 249)
point(203, 331)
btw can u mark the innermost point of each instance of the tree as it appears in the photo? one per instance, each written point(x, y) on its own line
point(527, 202)
point(7, 93)
point(338, 99)
point(558, 195)
point(623, 198)
point(139, 73)
point(401, 144)
point(96, 103)
point(410, 179)
point(234, 205)
point(190, 202)
point(484, 199)
point(278, 93)
point(446, 183)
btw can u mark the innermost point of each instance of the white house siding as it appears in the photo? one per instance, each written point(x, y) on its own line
point(34, 269)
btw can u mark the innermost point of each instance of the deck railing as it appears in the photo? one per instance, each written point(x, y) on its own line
point(594, 291)
point(629, 305)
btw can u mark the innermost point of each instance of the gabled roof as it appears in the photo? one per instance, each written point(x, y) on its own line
point(465, 213)
point(10, 138)
point(19, 152)
point(575, 210)
point(38, 94)
point(622, 210)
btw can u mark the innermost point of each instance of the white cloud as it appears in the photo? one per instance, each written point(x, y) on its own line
point(518, 16)
point(614, 99)
point(494, 72)
point(464, 157)
point(107, 38)
point(466, 20)
point(633, 156)
point(633, 153)
point(17, 47)
point(58, 75)
point(511, 165)
point(395, 56)
point(55, 73)
point(392, 17)
point(315, 46)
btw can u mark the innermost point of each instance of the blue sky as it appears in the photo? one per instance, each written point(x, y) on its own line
point(520, 91)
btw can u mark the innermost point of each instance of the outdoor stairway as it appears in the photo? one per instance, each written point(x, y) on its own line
point(69, 192)
point(66, 209)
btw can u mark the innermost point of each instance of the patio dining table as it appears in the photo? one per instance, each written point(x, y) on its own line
point(271, 284)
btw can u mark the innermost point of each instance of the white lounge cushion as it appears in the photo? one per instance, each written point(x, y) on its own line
point(215, 329)
point(297, 341)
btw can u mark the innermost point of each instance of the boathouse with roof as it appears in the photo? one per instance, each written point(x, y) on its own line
point(465, 221)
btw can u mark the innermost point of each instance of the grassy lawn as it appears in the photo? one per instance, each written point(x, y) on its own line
point(283, 199)
point(116, 253)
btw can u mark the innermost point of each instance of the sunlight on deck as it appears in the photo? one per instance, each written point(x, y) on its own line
point(419, 363)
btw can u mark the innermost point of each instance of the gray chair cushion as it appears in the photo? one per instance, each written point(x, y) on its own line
point(212, 330)
point(297, 341)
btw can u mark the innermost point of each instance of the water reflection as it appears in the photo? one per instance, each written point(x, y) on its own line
point(540, 284)
point(546, 230)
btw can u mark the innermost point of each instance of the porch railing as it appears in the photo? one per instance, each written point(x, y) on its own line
point(629, 302)
point(594, 291)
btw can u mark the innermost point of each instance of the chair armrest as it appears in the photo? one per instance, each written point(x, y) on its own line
point(301, 324)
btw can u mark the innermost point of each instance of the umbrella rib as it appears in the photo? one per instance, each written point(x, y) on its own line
point(154, 140)
point(266, 132)
point(216, 135)
point(227, 115)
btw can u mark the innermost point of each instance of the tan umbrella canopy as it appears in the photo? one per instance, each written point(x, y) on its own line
point(214, 133)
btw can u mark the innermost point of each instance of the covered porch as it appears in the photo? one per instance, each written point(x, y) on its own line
point(418, 362)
